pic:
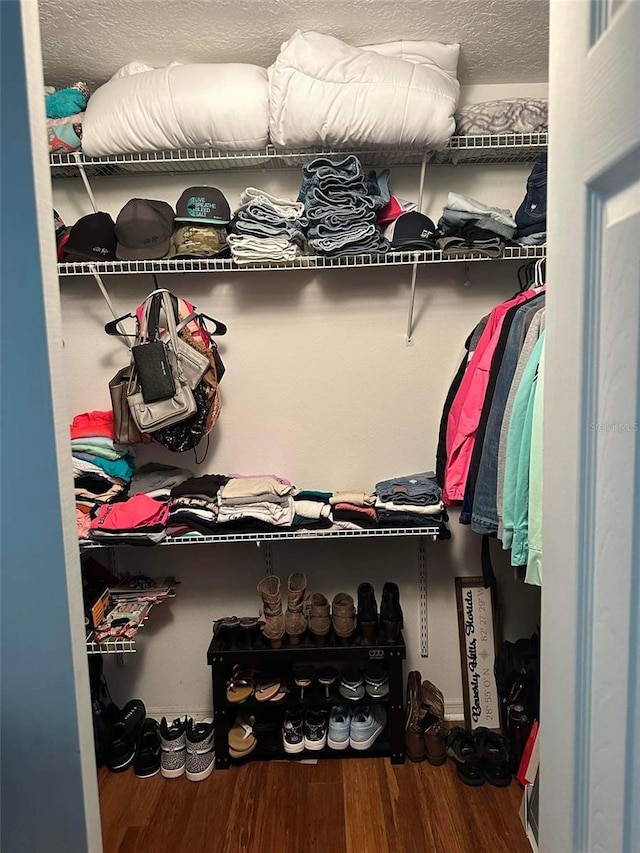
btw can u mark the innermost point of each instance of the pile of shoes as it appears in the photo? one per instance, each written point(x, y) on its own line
point(321, 618)
point(478, 755)
point(343, 727)
point(132, 738)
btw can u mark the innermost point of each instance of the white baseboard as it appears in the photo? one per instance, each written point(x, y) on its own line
point(454, 710)
point(173, 713)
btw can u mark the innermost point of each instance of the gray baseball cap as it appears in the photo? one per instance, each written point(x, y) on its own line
point(143, 230)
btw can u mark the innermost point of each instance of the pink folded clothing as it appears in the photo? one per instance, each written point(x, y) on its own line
point(140, 513)
point(92, 424)
point(365, 511)
point(84, 524)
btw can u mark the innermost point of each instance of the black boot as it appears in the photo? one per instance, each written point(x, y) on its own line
point(367, 613)
point(391, 612)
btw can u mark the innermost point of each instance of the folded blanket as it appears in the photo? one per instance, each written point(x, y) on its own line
point(514, 115)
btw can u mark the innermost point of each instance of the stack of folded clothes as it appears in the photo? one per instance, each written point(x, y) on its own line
point(65, 110)
point(262, 501)
point(414, 500)
point(267, 229)
point(353, 509)
point(311, 509)
point(194, 504)
point(102, 470)
point(470, 226)
point(341, 203)
point(141, 520)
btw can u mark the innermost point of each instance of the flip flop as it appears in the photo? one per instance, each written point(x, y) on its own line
point(241, 737)
point(268, 686)
point(240, 686)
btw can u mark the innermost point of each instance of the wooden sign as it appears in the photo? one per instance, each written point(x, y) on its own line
point(476, 624)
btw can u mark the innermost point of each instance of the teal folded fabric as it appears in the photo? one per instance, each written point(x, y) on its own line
point(312, 495)
point(121, 469)
point(97, 450)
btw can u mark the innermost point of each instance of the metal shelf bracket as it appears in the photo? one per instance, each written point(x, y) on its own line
point(422, 590)
point(414, 270)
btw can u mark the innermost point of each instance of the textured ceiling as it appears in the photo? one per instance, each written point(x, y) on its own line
point(502, 40)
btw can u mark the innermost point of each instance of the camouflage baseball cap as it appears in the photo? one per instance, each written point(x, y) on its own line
point(197, 241)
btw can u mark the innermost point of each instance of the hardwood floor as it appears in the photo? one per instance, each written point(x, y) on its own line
point(336, 806)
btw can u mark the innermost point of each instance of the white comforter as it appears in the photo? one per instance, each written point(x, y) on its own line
point(324, 92)
point(224, 106)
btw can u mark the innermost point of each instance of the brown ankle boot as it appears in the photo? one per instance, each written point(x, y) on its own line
point(273, 627)
point(318, 609)
point(434, 734)
point(343, 612)
point(414, 728)
point(294, 619)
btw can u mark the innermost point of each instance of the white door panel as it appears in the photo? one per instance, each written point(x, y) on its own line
point(590, 605)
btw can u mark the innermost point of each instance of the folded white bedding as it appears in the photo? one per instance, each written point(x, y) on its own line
point(325, 92)
point(223, 106)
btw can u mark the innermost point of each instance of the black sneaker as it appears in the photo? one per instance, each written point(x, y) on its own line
point(463, 751)
point(121, 749)
point(495, 756)
point(315, 729)
point(147, 760)
point(293, 731)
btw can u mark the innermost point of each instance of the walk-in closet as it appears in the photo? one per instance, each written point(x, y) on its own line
point(331, 311)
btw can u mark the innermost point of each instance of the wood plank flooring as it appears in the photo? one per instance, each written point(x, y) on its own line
point(336, 806)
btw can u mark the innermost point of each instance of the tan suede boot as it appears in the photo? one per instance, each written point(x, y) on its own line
point(273, 627)
point(294, 620)
point(318, 609)
point(344, 617)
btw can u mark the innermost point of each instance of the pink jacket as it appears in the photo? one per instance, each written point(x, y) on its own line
point(465, 411)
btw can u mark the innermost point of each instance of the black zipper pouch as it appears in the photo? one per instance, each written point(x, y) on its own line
point(154, 371)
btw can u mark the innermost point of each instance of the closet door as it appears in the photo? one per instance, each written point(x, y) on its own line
point(590, 726)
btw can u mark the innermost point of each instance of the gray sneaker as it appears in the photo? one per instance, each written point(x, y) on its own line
point(173, 741)
point(367, 725)
point(199, 761)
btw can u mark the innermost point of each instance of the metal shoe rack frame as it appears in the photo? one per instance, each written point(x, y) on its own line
point(389, 744)
point(502, 149)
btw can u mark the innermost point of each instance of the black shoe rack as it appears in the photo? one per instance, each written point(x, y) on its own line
point(224, 653)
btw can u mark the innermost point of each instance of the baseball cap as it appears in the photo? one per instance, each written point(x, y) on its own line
point(412, 230)
point(143, 230)
point(203, 204)
point(197, 241)
point(92, 238)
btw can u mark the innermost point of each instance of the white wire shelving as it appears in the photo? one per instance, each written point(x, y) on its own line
point(272, 536)
point(305, 262)
point(111, 647)
point(498, 149)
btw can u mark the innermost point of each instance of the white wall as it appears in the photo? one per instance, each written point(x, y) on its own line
point(320, 387)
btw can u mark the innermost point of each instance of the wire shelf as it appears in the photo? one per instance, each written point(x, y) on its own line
point(215, 538)
point(503, 148)
point(111, 647)
point(305, 262)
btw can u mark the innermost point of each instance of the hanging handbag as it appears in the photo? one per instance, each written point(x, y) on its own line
point(124, 427)
point(189, 433)
point(151, 416)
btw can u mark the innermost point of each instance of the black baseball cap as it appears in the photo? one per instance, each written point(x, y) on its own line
point(92, 238)
point(412, 230)
point(203, 204)
point(143, 230)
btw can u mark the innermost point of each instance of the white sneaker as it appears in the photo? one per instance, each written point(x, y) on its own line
point(367, 725)
point(199, 758)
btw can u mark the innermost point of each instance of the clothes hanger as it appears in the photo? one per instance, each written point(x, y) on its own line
point(219, 329)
